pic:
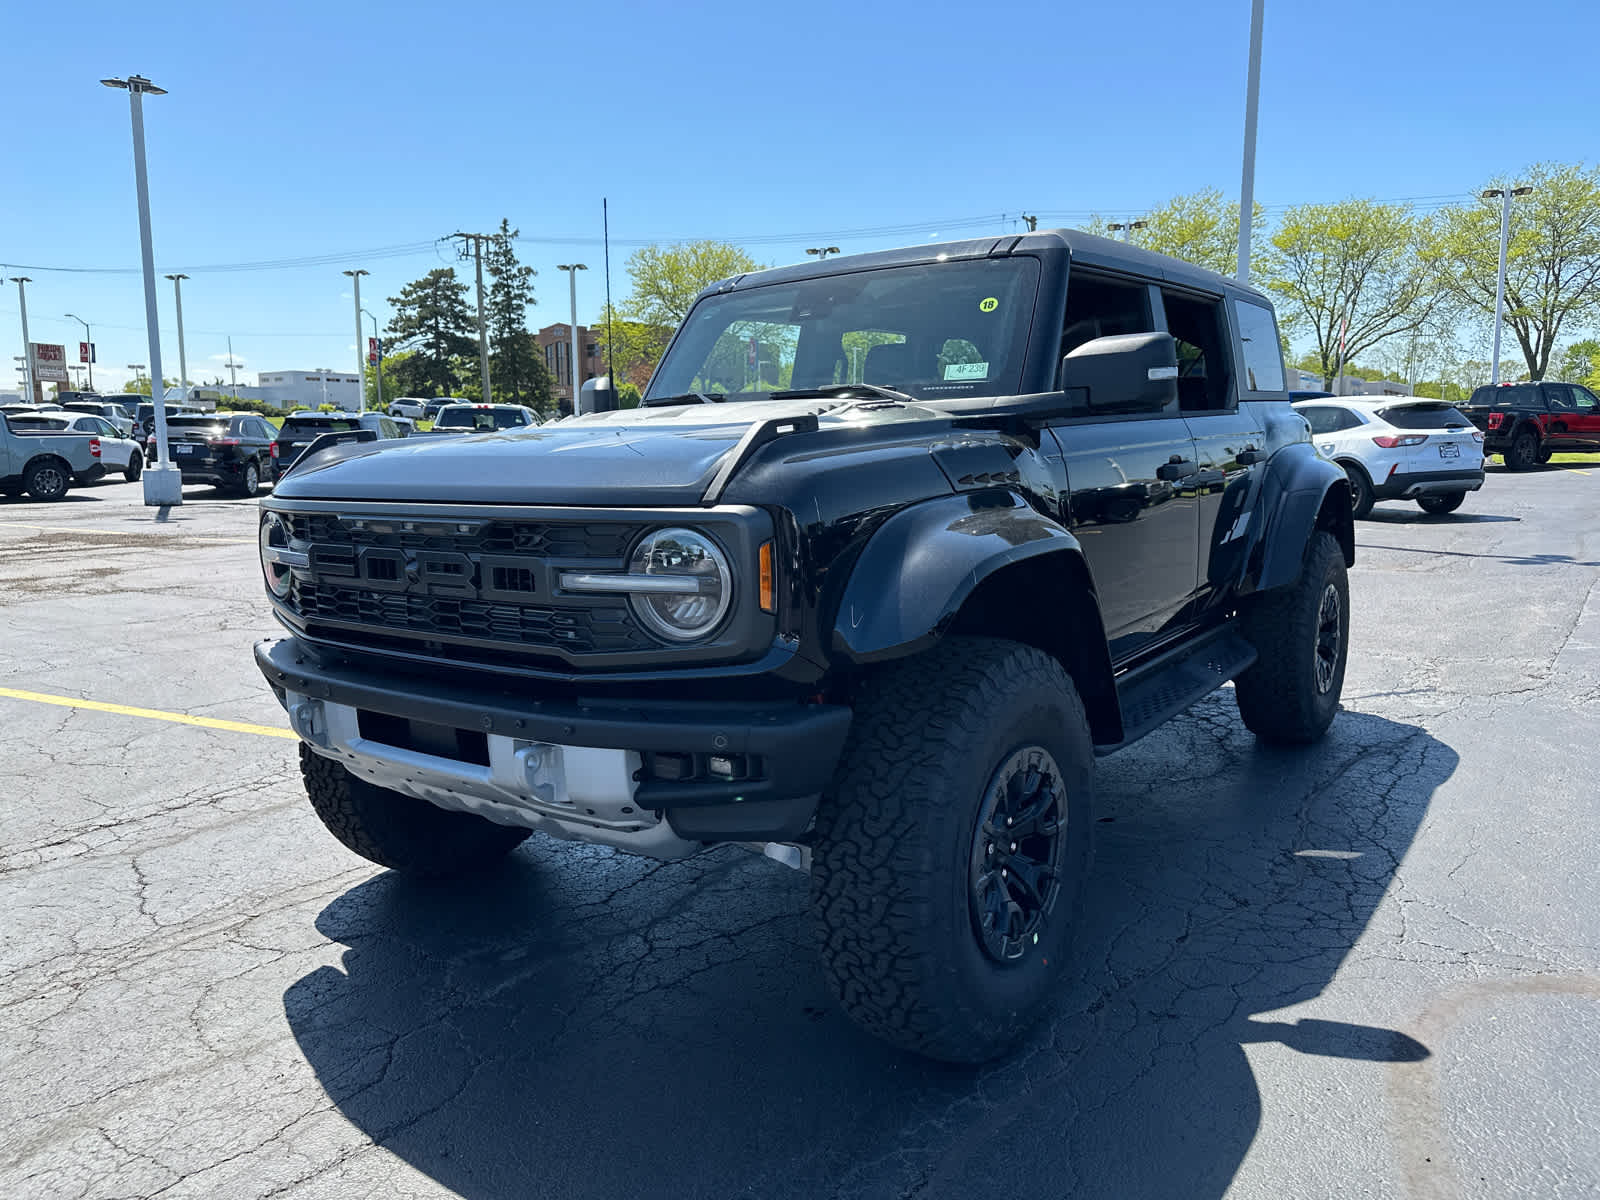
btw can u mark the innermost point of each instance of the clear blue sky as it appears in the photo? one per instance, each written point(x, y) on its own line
point(296, 129)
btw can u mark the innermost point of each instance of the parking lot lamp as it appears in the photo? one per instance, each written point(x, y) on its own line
point(822, 252)
point(163, 483)
point(377, 367)
point(572, 270)
point(183, 358)
point(27, 351)
point(1127, 228)
point(361, 359)
point(90, 340)
point(1504, 196)
point(1247, 184)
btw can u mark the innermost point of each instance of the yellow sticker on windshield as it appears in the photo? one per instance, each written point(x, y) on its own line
point(989, 304)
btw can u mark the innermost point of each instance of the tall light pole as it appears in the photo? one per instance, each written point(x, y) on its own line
point(163, 483)
point(1247, 185)
point(477, 240)
point(572, 270)
point(138, 374)
point(183, 357)
point(90, 340)
point(27, 350)
point(233, 378)
point(1504, 195)
point(822, 252)
point(377, 367)
point(1127, 228)
point(361, 359)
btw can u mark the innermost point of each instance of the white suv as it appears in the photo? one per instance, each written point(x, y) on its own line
point(1398, 448)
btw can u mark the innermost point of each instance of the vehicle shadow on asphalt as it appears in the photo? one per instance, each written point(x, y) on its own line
point(583, 1024)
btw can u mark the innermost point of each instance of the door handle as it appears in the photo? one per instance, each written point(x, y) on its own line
point(1177, 468)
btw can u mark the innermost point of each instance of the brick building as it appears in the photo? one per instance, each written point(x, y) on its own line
point(555, 343)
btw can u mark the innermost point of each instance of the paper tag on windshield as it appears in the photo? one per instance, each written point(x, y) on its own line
point(966, 370)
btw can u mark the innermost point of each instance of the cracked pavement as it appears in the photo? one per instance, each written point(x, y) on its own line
point(1369, 969)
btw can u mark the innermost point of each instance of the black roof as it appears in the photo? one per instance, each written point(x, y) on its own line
point(1083, 248)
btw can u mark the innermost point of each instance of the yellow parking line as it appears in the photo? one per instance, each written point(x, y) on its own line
point(154, 714)
point(210, 537)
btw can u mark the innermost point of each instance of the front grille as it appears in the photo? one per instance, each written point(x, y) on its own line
point(606, 541)
point(575, 630)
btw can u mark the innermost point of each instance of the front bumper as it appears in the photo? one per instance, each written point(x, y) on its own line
point(1409, 485)
point(587, 769)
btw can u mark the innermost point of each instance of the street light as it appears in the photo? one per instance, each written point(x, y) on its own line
point(163, 483)
point(183, 358)
point(90, 341)
point(1127, 228)
point(361, 359)
point(27, 350)
point(572, 270)
point(138, 374)
point(822, 252)
point(1504, 196)
point(1247, 184)
point(377, 367)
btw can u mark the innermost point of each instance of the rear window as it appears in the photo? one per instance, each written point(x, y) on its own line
point(1518, 395)
point(316, 425)
point(209, 423)
point(480, 418)
point(1424, 416)
point(36, 423)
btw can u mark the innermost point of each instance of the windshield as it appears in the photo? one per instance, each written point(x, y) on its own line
point(937, 331)
point(1522, 395)
point(479, 418)
point(316, 425)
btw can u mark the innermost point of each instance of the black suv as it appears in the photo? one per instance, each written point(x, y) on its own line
point(896, 545)
point(229, 450)
point(300, 429)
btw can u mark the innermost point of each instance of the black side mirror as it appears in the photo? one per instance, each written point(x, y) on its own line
point(1124, 373)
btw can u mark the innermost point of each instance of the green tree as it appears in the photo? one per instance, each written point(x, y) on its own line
point(396, 378)
point(1552, 259)
point(516, 368)
point(1580, 362)
point(666, 279)
point(631, 349)
point(431, 320)
point(1354, 270)
point(1198, 227)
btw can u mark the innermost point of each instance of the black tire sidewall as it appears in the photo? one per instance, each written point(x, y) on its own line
point(1361, 497)
point(1440, 505)
point(246, 487)
point(135, 468)
point(1516, 459)
point(31, 481)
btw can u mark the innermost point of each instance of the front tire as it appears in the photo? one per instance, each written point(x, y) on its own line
point(47, 480)
point(399, 831)
point(1302, 637)
point(1523, 453)
point(1441, 504)
point(952, 846)
point(1361, 497)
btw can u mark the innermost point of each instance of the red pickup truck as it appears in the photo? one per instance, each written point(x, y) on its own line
point(1528, 422)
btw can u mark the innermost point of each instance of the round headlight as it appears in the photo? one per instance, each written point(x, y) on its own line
point(691, 587)
point(274, 538)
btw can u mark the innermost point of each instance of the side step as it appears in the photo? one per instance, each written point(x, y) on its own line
point(1162, 688)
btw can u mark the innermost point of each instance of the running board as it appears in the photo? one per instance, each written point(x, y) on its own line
point(1159, 690)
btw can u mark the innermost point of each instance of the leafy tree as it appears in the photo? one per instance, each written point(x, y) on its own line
point(1580, 363)
point(631, 348)
point(1356, 263)
point(397, 374)
point(666, 279)
point(1552, 260)
point(431, 319)
point(516, 368)
point(1199, 227)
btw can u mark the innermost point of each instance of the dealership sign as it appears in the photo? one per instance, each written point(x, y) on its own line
point(49, 362)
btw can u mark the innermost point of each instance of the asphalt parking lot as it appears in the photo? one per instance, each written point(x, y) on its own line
point(1367, 970)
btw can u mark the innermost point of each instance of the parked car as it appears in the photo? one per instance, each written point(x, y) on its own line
point(408, 406)
point(117, 453)
point(43, 463)
point(299, 430)
point(112, 411)
point(879, 625)
point(232, 451)
point(145, 415)
point(1528, 422)
point(482, 418)
point(1398, 448)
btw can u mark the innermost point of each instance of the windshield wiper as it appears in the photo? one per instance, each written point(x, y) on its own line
point(702, 397)
point(840, 389)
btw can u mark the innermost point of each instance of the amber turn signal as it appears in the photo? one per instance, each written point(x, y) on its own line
point(767, 604)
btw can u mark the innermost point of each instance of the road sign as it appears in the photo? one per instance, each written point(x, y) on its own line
point(49, 362)
point(374, 348)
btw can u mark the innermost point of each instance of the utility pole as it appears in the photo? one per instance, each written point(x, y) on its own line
point(572, 270)
point(27, 348)
point(233, 378)
point(477, 240)
point(1247, 186)
point(361, 359)
point(183, 357)
point(1033, 222)
point(1504, 195)
point(377, 367)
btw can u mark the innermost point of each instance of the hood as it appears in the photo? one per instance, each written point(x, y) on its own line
point(661, 456)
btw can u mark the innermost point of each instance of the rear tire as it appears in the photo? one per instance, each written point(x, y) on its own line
point(250, 481)
point(1441, 504)
point(399, 831)
point(1302, 637)
point(46, 480)
point(135, 468)
point(1523, 453)
point(1361, 497)
point(937, 936)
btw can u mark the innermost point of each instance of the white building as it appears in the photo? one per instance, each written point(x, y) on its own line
point(286, 389)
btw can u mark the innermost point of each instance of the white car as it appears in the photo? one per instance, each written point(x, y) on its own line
point(408, 406)
point(1398, 448)
point(117, 453)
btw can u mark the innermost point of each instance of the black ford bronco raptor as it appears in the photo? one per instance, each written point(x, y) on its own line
point(894, 546)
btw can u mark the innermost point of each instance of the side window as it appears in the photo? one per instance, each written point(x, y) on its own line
point(1321, 418)
point(1100, 307)
point(1263, 354)
point(107, 429)
point(1584, 399)
point(386, 428)
point(1559, 397)
point(1347, 420)
point(1204, 355)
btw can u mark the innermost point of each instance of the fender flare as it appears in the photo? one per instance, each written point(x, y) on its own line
point(1293, 495)
point(920, 565)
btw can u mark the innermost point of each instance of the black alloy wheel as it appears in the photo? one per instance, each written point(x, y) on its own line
point(1523, 454)
point(1361, 497)
point(1330, 638)
point(46, 480)
point(1015, 873)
